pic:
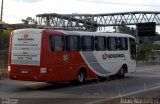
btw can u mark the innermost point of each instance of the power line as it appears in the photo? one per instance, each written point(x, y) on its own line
point(113, 3)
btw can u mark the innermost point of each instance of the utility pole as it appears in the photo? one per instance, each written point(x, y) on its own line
point(2, 10)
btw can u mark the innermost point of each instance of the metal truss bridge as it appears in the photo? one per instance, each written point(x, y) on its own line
point(94, 22)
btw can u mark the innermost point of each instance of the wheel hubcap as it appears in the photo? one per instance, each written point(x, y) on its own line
point(80, 77)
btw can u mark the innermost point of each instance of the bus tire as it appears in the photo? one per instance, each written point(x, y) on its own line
point(122, 72)
point(81, 76)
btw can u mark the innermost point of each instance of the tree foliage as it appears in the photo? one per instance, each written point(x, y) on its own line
point(125, 29)
point(29, 20)
point(4, 38)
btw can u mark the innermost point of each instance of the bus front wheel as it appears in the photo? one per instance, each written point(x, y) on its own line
point(122, 72)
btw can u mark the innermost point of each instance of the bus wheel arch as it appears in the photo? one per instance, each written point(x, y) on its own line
point(125, 68)
point(82, 74)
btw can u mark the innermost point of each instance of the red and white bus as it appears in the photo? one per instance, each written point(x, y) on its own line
point(49, 55)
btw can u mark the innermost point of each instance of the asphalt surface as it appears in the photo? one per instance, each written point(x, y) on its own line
point(142, 86)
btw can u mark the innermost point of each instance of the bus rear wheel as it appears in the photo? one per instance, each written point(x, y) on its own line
point(81, 77)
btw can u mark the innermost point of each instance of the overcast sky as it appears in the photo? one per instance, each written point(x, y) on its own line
point(15, 10)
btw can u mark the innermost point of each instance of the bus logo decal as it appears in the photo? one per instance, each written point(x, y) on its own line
point(116, 55)
point(104, 56)
point(26, 36)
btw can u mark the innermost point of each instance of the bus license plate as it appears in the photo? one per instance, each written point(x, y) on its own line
point(24, 71)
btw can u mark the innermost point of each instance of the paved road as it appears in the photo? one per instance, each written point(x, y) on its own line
point(144, 83)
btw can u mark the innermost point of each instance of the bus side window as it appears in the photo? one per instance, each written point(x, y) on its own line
point(100, 43)
point(73, 43)
point(112, 43)
point(87, 43)
point(56, 42)
point(51, 39)
point(132, 48)
point(123, 44)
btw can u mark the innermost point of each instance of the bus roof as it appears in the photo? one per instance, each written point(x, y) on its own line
point(84, 33)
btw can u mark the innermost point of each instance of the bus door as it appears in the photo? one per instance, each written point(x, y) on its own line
point(132, 44)
point(58, 58)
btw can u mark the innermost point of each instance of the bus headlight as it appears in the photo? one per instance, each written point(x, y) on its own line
point(43, 70)
point(9, 68)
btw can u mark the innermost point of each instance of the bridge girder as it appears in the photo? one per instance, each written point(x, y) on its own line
point(94, 22)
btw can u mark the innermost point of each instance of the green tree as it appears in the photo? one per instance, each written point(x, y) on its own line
point(4, 38)
point(125, 29)
point(29, 20)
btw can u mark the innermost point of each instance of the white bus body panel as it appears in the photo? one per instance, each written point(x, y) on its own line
point(110, 65)
point(26, 47)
